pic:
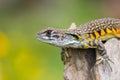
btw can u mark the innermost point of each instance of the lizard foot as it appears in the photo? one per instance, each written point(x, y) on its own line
point(65, 55)
point(105, 61)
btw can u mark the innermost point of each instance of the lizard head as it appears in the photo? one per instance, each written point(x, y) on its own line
point(57, 37)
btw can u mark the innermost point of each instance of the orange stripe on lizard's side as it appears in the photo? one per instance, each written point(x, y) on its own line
point(114, 30)
point(96, 34)
point(108, 31)
point(118, 30)
point(92, 37)
point(102, 32)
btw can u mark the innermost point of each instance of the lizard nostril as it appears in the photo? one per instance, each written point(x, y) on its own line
point(38, 33)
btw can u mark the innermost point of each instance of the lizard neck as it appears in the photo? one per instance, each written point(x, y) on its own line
point(86, 41)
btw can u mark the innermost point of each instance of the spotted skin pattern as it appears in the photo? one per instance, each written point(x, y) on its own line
point(100, 29)
point(97, 31)
point(89, 35)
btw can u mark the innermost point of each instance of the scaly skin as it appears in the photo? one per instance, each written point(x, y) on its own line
point(89, 35)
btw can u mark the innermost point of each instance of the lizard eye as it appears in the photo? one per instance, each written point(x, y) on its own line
point(51, 34)
point(48, 33)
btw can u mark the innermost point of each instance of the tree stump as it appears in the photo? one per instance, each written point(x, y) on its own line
point(81, 64)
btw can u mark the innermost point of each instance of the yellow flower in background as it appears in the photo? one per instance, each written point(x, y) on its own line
point(27, 67)
point(3, 45)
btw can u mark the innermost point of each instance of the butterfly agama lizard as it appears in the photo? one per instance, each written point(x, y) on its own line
point(89, 35)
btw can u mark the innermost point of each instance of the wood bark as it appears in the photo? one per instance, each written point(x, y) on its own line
point(81, 63)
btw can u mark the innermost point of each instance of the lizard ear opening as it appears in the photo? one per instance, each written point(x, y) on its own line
point(73, 36)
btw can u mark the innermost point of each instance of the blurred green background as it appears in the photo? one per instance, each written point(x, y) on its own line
point(22, 56)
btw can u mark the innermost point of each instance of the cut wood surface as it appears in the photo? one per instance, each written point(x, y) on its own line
point(81, 64)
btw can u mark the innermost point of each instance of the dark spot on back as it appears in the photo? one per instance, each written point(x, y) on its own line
point(99, 32)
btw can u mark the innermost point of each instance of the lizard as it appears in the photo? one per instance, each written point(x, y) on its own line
point(88, 35)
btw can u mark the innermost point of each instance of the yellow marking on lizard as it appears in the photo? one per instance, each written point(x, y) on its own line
point(96, 40)
point(108, 31)
point(87, 35)
point(85, 45)
point(92, 37)
point(91, 43)
point(114, 31)
point(118, 32)
point(87, 40)
point(96, 34)
point(102, 32)
point(79, 37)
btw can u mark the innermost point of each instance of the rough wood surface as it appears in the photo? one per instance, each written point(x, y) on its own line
point(81, 64)
point(113, 51)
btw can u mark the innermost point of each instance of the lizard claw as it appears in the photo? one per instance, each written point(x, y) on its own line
point(105, 61)
point(65, 55)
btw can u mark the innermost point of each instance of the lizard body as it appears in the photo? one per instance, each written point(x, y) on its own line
point(89, 35)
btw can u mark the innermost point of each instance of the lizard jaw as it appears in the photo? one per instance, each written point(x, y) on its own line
point(55, 42)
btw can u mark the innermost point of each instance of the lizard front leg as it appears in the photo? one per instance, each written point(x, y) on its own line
point(103, 57)
point(65, 55)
